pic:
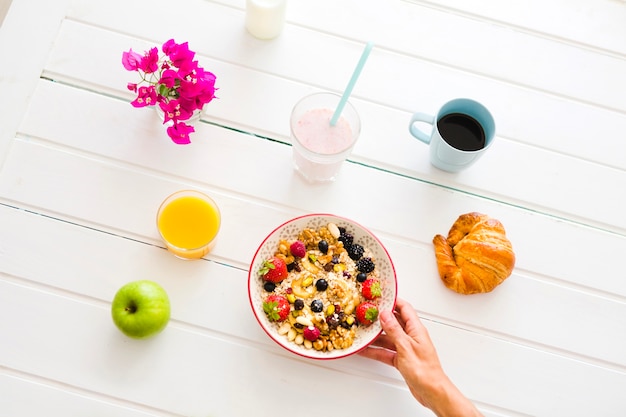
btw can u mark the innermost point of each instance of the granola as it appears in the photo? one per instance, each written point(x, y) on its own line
point(326, 275)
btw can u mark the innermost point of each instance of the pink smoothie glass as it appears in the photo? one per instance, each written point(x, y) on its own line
point(320, 148)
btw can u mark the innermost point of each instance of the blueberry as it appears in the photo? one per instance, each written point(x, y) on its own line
point(321, 284)
point(269, 286)
point(317, 306)
point(346, 325)
point(298, 304)
point(323, 246)
point(361, 276)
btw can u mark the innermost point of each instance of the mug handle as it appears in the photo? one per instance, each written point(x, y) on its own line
point(421, 117)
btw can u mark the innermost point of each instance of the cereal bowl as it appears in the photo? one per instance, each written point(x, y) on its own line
point(318, 315)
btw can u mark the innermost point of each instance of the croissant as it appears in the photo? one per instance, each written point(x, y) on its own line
point(476, 257)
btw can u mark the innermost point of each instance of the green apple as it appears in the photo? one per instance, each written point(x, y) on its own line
point(141, 309)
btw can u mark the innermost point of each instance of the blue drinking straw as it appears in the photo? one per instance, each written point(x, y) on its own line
point(355, 76)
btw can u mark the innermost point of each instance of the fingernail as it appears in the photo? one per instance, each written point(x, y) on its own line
point(385, 316)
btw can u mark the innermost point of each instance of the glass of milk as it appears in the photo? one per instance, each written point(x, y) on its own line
point(265, 18)
point(320, 148)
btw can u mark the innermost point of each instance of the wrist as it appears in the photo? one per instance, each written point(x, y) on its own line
point(447, 401)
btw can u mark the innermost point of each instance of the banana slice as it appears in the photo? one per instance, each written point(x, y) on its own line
point(300, 290)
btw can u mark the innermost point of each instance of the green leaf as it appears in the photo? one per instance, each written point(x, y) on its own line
point(267, 265)
point(376, 291)
point(371, 314)
point(162, 90)
point(271, 309)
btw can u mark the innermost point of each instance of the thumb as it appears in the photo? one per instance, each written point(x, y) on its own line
point(391, 326)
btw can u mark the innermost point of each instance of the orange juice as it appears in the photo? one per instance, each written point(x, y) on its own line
point(188, 222)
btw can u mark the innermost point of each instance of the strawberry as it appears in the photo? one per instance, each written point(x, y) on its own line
point(371, 288)
point(367, 313)
point(298, 249)
point(276, 307)
point(274, 270)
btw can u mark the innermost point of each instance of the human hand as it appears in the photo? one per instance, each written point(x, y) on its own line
point(406, 345)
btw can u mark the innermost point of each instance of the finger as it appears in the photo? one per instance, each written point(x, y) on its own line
point(412, 323)
point(393, 330)
point(400, 319)
point(382, 355)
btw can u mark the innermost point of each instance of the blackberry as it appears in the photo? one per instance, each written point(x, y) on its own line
point(355, 251)
point(365, 265)
point(347, 239)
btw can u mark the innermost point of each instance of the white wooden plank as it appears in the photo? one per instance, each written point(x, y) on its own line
point(150, 372)
point(200, 293)
point(385, 141)
point(96, 192)
point(517, 343)
point(483, 48)
point(19, 77)
point(596, 24)
point(145, 146)
point(520, 113)
point(593, 24)
point(25, 396)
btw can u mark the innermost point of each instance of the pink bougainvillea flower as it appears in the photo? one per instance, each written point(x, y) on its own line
point(174, 82)
point(198, 86)
point(174, 110)
point(207, 81)
point(180, 55)
point(188, 107)
point(169, 46)
point(131, 60)
point(146, 96)
point(179, 133)
point(150, 61)
point(168, 78)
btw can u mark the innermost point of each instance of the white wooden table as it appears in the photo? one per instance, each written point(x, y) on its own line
point(82, 174)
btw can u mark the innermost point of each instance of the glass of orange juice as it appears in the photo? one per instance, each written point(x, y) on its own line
point(188, 222)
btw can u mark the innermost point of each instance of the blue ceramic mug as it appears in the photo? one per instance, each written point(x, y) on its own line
point(462, 130)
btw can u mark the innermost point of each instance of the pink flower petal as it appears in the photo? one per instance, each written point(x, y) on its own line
point(131, 60)
point(146, 96)
point(179, 133)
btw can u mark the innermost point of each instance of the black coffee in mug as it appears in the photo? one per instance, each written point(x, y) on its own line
point(461, 131)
